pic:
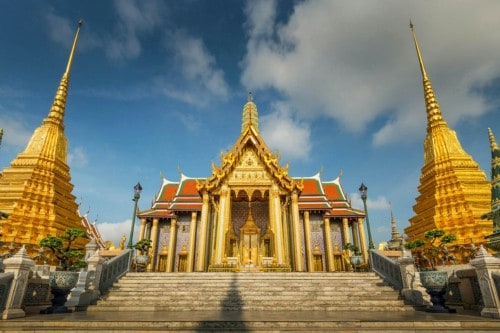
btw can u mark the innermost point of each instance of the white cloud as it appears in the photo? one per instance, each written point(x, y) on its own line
point(114, 231)
point(357, 63)
point(77, 157)
point(135, 18)
point(197, 70)
point(15, 132)
point(285, 133)
point(379, 203)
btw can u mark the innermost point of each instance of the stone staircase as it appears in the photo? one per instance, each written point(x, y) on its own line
point(251, 302)
point(251, 292)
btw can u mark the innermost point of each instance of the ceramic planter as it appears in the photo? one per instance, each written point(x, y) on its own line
point(435, 284)
point(61, 283)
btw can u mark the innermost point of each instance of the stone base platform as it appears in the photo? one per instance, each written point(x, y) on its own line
point(234, 321)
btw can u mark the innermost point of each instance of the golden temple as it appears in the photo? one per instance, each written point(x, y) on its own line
point(453, 192)
point(35, 191)
point(250, 215)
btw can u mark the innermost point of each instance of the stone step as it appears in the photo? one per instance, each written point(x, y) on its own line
point(246, 294)
point(204, 321)
point(124, 287)
point(250, 292)
point(120, 307)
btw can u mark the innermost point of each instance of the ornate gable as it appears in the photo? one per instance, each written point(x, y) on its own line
point(249, 162)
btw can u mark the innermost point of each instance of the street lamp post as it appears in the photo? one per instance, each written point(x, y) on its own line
point(363, 189)
point(137, 195)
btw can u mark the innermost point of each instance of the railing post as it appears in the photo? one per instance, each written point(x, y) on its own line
point(413, 292)
point(20, 265)
point(485, 265)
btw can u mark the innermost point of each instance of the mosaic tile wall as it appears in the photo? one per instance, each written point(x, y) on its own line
point(317, 235)
point(260, 214)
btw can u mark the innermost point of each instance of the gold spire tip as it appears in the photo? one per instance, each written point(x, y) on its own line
point(411, 25)
point(250, 97)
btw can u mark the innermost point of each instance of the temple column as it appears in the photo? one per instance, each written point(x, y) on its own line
point(362, 244)
point(154, 244)
point(202, 244)
point(142, 229)
point(275, 214)
point(297, 242)
point(328, 244)
point(307, 236)
point(222, 218)
point(192, 241)
point(286, 234)
point(355, 234)
point(171, 245)
point(345, 229)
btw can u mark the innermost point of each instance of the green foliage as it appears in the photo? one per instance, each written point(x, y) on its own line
point(353, 248)
point(432, 236)
point(143, 246)
point(70, 258)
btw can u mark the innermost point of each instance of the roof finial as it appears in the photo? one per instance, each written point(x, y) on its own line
point(250, 116)
point(434, 116)
point(56, 114)
point(421, 61)
point(73, 48)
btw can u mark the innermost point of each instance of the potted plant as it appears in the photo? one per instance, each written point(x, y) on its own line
point(70, 260)
point(143, 247)
point(356, 258)
point(435, 282)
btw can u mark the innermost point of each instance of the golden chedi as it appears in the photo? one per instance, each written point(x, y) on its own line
point(453, 190)
point(35, 191)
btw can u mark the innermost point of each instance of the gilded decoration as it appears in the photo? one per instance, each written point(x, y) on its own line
point(453, 191)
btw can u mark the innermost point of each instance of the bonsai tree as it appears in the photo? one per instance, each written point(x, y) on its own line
point(431, 238)
point(143, 246)
point(353, 248)
point(63, 248)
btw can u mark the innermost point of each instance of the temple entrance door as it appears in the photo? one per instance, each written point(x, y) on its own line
point(249, 243)
point(250, 249)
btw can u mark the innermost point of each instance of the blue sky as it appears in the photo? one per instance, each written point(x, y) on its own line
point(158, 86)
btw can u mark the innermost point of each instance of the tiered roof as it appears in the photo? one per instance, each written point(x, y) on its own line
point(317, 195)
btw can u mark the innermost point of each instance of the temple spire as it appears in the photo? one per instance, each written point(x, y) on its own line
point(434, 116)
point(56, 114)
point(495, 175)
point(250, 115)
point(493, 143)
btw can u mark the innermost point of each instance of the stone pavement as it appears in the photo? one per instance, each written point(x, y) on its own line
point(253, 321)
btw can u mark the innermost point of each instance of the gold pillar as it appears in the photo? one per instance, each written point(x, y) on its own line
point(202, 244)
point(286, 234)
point(192, 242)
point(328, 244)
point(171, 245)
point(142, 230)
point(307, 236)
point(362, 245)
point(345, 228)
point(224, 205)
point(297, 242)
point(355, 234)
point(154, 244)
point(275, 214)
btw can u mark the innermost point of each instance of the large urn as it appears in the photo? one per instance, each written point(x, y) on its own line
point(436, 284)
point(60, 283)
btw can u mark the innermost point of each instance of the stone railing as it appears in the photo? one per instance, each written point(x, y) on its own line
point(386, 268)
point(37, 292)
point(113, 269)
point(5, 283)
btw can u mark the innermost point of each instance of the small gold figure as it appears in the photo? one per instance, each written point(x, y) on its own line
point(122, 242)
